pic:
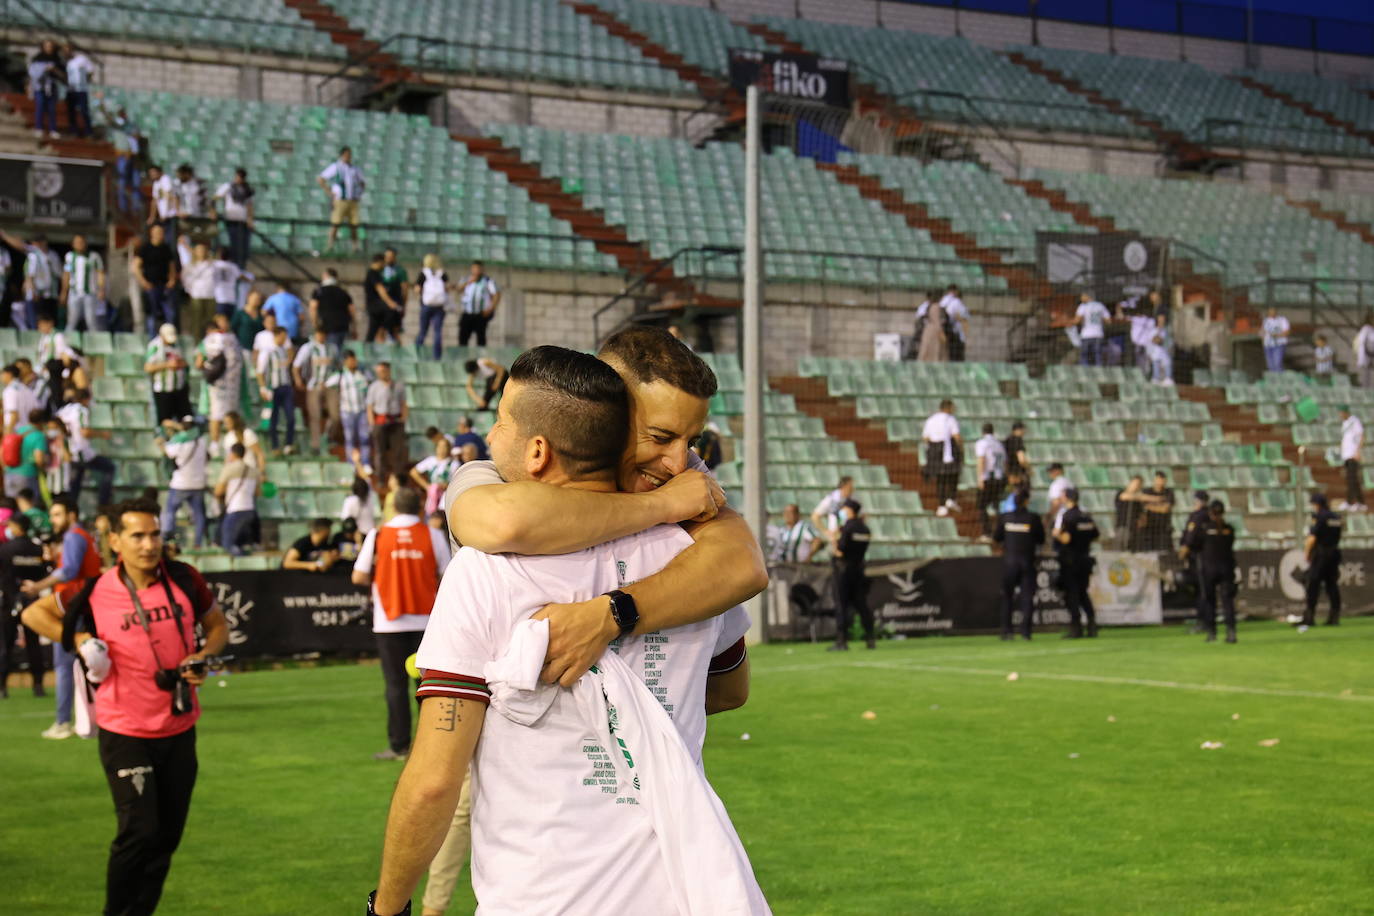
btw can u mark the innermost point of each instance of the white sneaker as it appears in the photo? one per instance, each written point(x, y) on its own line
point(952, 505)
point(59, 730)
point(54, 135)
point(942, 512)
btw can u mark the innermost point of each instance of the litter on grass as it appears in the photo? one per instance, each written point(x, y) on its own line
point(1013, 676)
point(1235, 716)
point(1073, 756)
point(1111, 718)
point(1212, 745)
point(869, 714)
point(1269, 742)
point(744, 737)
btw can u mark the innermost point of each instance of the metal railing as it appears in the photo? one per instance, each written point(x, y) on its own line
point(1235, 133)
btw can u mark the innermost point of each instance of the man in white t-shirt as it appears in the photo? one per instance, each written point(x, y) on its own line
point(1059, 484)
point(490, 374)
point(237, 488)
point(1352, 447)
point(189, 452)
point(954, 307)
point(1274, 330)
point(163, 208)
point(992, 476)
point(1091, 318)
point(826, 515)
point(80, 69)
point(944, 456)
point(589, 848)
point(19, 399)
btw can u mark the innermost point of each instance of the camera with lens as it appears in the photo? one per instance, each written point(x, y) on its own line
point(170, 679)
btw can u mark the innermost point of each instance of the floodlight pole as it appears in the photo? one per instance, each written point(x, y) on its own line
point(754, 379)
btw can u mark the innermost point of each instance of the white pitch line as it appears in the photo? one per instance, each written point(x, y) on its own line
point(1010, 656)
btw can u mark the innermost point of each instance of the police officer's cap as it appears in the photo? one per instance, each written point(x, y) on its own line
point(1318, 499)
point(1200, 496)
point(1217, 506)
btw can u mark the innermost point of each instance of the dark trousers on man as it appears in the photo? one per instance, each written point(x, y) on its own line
point(470, 323)
point(162, 306)
point(389, 449)
point(104, 468)
point(172, 405)
point(392, 651)
point(151, 780)
point(33, 650)
point(1018, 590)
point(1220, 584)
point(989, 497)
point(1354, 487)
point(283, 405)
point(1325, 572)
point(239, 236)
point(79, 113)
point(851, 594)
point(1075, 574)
point(379, 322)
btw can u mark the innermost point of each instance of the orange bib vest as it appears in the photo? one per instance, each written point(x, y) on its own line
point(406, 578)
point(90, 563)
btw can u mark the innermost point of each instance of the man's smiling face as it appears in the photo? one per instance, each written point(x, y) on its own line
point(664, 422)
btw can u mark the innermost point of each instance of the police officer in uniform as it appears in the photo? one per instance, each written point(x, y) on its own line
point(1074, 533)
point(1190, 545)
point(1214, 542)
point(851, 587)
point(1021, 533)
point(1323, 561)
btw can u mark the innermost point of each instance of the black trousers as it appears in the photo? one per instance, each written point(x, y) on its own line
point(1354, 487)
point(389, 449)
point(989, 497)
point(1214, 584)
point(1325, 572)
point(392, 650)
point(851, 594)
point(382, 322)
point(172, 405)
point(1201, 602)
point(470, 324)
point(1074, 576)
point(1017, 574)
point(151, 780)
point(9, 637)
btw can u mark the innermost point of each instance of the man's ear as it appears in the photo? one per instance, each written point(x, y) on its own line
point(538, 457)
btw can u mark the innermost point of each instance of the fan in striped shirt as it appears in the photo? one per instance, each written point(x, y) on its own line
point(166, 369)
point(83, 286)
point(353, 385)
point(274, 383)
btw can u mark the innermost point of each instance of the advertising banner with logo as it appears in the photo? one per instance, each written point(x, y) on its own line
point(1111, 265)
point(52, 191)
point(1270, 583)
point(804, 77)
point(1125, 589)
point(275, 614)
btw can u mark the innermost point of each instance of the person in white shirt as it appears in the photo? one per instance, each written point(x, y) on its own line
point(79, 72)
point(220, 358)
point(192, 201)
point(76, 416)
point(1363, 348)
point(274, 386)
point(992, 476)
point(238, 487)
point(1091, 318)
point(556, 433)
point(227, 277)
point(83, 286)
point(491, 374)
point(189, 453)
point(795, 540)
point(1323, 359)
point(163, 208)
point(19, 399)
point(826, 515)
point(1059, 483)
point(944, 456)
point(237, 214)
point(954, 307)
point(360, 506)
point(343, 182)
point(1161, 352)
point(198, 279)
point(40, 283)
point(1275, 330)
point(1352, 446)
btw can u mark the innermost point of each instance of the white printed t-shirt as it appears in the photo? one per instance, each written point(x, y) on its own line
point(1094, 315)
point(550, 834)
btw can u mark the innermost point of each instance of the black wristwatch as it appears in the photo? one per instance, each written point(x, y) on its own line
point(372, 906)
point(623, 611)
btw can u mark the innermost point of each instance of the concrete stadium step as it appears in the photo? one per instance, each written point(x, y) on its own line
point(1305, 107)
point(1242, 423)
point(710, 86)
point(1335, 217)
point(383, 66)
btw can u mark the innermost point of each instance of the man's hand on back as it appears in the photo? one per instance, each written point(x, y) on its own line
point(578, 634)
point(691, 496)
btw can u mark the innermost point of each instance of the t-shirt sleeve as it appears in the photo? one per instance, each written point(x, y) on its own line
point(472, 474)
point(363, 563)
point(695, 463)
point(734, 625)
point(459, 639)
point(442, 554)
point(202, 596)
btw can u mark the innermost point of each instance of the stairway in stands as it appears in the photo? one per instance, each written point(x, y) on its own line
point(1305, 107)
point(843, 422)
point(1242, 423)
point(21, 107)
point(1186, 150)
point(1023, 282)
point(387, 70)
point(1335, 217)
point(633, 257)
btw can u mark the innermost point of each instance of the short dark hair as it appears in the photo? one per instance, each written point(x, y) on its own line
point(23, 521)
point(432, 431)
point(26, 493)
point(345, 149)
point(1056, 466)
point(477, 263)
point(1020, 498)
point(1071, 494)
point(470, 366)
point(652, 354)
point(1217, 506)
point(66, 501)
point(331, 272)
point(237, 450)
point(577, 402)
point(987, 429)
point(1161, 474)
point(1019, 424)
point(138, 506)
point(844, 480)
point(348, 353)
point(408, 501)
point(320, 524)
point(946, 404)
point(853, 505)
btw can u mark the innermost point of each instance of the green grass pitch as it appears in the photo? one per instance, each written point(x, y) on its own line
point(1080, 786)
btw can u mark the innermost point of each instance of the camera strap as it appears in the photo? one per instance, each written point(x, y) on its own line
point(142, 616)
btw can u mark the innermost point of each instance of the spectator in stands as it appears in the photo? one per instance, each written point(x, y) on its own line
point(76, 415)
point(708, 447)
point(313, 552)
point(237, 215)
point(79, 72)
point(312, 368)
point(188, 453)
point(387, 412)
point(354, 390)
point(124, 136)
point(162, 209)
point(33, 456)
point(360, 506)
point(46, 74)
point(1059, 482)
point(933, 331)
point(795, 540)
point(432, 473)
point(1363, 347)
point(944, 456)
point(157, 269)
point(331, 309)
point(397, 284)
point(236, 433)
point(826, 516)
point(493, 379)
point(992, 476)
point(57, 475)
point(954, 307)
point(83, 286)
point(40, 281)
point(478, 300)
point(21, 560)
point(348, 541)
point(166, 367)
point(380, 304)
point(247, 321)
point(1018, 461)
point(265, 339)
point(404, 583)
point(1091, 318)
point(1130, 501)
point(19, 399)
point(228, 276)
point(220, 360)
point(6, 265)
point(465, 436)
point(434, 302)
point(275, 386)
point(27, 504)
point(193, 204)
point(286, 307)
point(1159, 507)
point(56, 361)
point(1017, 482)
point(237, 488)
point(1143, 324)
point(1323, 360)
point(1161, 352)
point(1352, 449)
point(198, 279)
point(343, 182)
point(1275, 330)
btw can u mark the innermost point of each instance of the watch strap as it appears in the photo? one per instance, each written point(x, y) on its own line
point(372, 906)
point(623, 611)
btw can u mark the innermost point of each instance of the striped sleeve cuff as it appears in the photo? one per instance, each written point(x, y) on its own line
point(461, 686)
